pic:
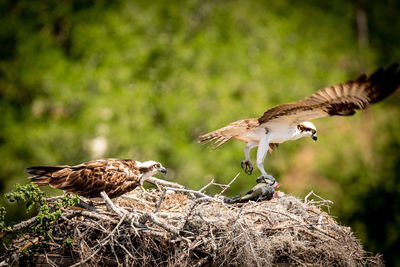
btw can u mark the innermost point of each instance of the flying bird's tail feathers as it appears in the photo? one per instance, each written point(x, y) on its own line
point(217, 137)
point(237, 130)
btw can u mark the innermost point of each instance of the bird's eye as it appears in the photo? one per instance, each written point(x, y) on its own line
point(313, 131)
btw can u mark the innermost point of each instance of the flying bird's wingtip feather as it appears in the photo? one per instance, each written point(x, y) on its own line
point(213, 137)
point(208, 141)
point(362, 78)
point(384, 82)
point(205, 137)
point(217, 144)
point(204, 140)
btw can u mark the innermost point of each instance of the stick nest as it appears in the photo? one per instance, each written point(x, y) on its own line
point(181, 227)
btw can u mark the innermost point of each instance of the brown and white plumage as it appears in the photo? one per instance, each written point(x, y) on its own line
point(290, 121)
point(113, 176)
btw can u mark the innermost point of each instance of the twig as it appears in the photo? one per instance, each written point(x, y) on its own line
point(154, 180)
point(144, 202)
point(223, 186)
point(110, 205)
point(93, 215)
point(158, 221)
point(170, 216)
point(103, 242)
point(161, 200)
point(322, 201)
point(228, 185)
point(293, 226)
point(113, 250)
point(52, 199)
point(188, 210)
point(23, 225)
point(202, 261)
point(87, 206)
point(296, 260)
point(126, 251)
point(259, 213)
point(199, 194)
point(307, 196)
point(207, 185)
point(50, 262)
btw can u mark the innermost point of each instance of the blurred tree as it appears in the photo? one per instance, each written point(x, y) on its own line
point(86, 79)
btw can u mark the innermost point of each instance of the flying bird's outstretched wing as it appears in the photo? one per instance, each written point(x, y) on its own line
point(340, 99)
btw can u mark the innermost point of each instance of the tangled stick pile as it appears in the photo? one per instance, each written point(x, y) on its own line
point(182, 227)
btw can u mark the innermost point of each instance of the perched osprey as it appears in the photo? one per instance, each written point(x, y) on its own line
point(113, 176)
point(290, 121)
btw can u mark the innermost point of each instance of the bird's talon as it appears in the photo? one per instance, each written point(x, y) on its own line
point(247, 166)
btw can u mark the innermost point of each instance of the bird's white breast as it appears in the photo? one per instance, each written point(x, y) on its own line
point(276, 133)
point(255, 134)
point(282, 134)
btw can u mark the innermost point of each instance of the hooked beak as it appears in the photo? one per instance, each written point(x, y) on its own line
point(163, 170)
point(314, 137)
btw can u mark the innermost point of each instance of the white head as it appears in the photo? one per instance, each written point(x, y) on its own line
point(149, 168)
point(307, 129)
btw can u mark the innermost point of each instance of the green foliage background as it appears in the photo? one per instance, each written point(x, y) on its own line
point(148, 78)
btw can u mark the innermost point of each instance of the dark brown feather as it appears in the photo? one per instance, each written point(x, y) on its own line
point(114, 176)
point(272, 146)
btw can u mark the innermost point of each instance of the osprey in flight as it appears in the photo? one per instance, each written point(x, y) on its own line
point(113, 176)
point(290, 121)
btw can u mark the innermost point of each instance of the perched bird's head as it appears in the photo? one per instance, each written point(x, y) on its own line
point(308, 129)
point(149, 168)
